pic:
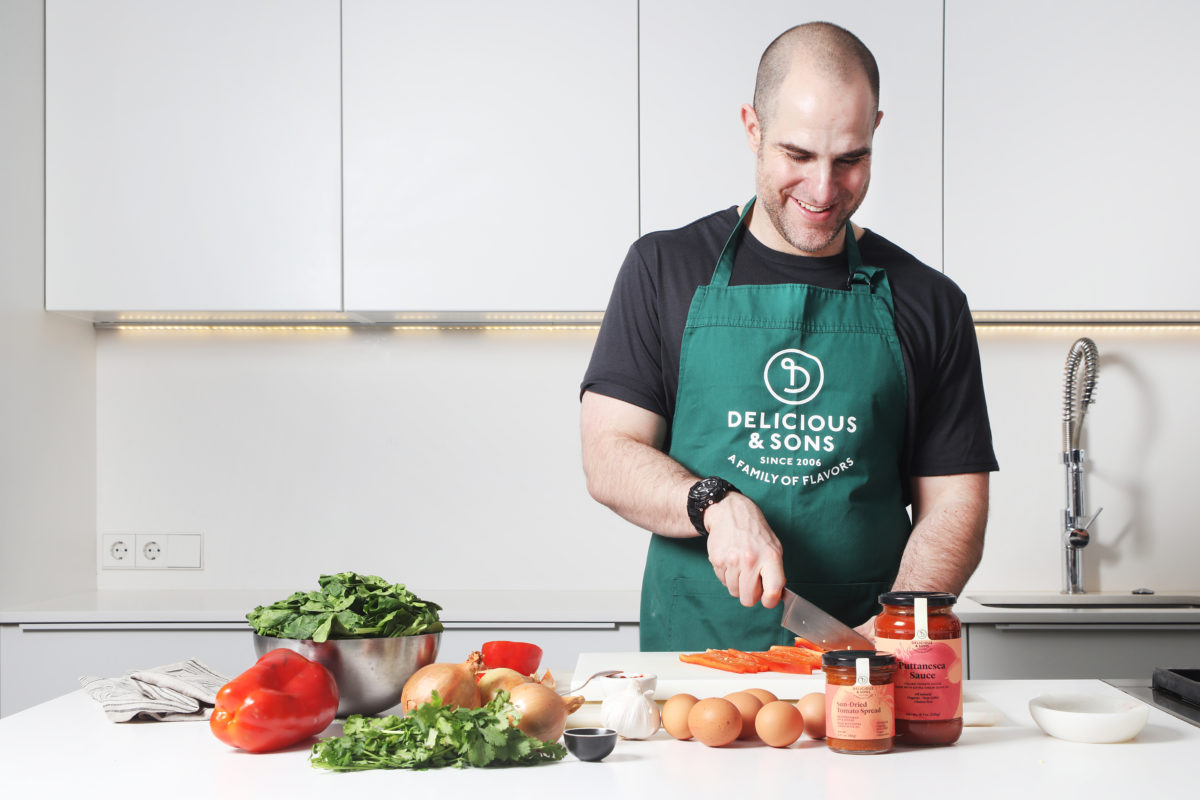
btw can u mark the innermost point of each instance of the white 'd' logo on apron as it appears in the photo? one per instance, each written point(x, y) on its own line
point(794, 377)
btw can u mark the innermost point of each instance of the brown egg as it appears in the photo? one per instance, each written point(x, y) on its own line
point(748, 706)
point(762, 694)
point(779, 723)
point(812, 708)
point(715, 721)
point(675, 715)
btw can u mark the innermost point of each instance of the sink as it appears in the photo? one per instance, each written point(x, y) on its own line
point(1089, 600)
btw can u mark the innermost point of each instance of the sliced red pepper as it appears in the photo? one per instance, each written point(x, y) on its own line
point(283, 699)
point(520, 656)
point(777, 662)
point(728, 660)
point(807, 645)
point(802, 659)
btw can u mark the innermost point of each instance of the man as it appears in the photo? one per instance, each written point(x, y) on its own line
point(773, 385)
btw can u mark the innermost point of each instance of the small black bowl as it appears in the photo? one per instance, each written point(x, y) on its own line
point(590, 744)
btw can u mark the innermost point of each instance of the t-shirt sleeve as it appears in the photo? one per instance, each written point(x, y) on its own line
point(953, 433)
point(627, 360)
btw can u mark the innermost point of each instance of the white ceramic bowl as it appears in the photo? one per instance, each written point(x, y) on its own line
point(613, 683)
point(1091, 718)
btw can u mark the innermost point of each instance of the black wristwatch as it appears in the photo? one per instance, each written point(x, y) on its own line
point(703, 494)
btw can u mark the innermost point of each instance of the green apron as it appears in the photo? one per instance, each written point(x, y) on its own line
point(796, 395)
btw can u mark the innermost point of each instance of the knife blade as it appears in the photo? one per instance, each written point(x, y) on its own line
point(804, 619)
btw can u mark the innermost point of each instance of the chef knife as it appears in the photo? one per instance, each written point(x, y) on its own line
point(804, 619)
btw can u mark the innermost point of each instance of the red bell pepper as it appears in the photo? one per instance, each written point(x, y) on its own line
point(520, 656)
point(283, 699)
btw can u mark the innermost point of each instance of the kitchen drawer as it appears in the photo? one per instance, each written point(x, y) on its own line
point(1050, 650)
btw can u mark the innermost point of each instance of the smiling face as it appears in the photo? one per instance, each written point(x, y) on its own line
point(813, 160)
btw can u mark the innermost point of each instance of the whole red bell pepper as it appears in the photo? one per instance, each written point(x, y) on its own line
point(283, 699)
point(520, 656)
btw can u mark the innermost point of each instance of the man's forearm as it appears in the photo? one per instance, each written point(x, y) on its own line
point(627, 471)
point(642, 484)
point(946, 543)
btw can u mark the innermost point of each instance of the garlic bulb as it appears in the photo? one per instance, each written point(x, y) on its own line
point(630, 712)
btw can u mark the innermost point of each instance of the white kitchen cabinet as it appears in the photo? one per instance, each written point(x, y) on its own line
point(490, 153)
point(40, 661)
point(1092, 650)
point(192, 155)
point(1069, 180)
point(698, 62)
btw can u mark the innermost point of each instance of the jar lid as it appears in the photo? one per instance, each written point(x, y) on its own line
point(849, 658)
point(934, 599)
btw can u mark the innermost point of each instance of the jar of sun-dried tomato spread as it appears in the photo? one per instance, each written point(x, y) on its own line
point(921, 630)
point(858, 701)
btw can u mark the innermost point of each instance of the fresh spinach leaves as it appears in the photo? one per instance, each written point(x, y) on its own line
point(347, 606)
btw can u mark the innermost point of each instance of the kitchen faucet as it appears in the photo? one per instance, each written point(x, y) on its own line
point(1075, 532)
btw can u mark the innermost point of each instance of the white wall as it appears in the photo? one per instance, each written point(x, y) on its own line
point(428, 457)
point(47, 403)
point(1141, 438)
point(441, 459)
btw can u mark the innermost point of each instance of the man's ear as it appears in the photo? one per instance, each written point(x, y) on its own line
point(753, 127)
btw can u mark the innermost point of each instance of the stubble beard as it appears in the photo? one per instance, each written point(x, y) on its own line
point(806, 239)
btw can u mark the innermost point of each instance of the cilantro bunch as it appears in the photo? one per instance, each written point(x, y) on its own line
point(347, 606)
point(435, 735)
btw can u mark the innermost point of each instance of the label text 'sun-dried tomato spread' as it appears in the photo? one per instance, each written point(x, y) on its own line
point(921, 630)
point(859, 701)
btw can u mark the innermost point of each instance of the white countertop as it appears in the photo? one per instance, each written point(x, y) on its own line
point(68, 744)
point(231, 606)
point(460, 607)
point(971, 612)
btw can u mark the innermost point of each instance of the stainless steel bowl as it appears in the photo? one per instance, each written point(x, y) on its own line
point(370, 673)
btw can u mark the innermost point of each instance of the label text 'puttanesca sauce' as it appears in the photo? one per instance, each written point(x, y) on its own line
point(921, 630)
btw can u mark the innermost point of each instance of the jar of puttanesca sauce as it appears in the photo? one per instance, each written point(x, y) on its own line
point(859, 701)
point(921, 630)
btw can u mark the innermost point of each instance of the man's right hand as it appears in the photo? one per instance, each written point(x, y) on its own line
point(745, 553)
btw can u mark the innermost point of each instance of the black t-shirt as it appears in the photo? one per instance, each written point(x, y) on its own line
point(636, 358)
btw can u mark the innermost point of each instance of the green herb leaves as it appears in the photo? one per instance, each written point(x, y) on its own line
point(347, 606)
point(434, 735)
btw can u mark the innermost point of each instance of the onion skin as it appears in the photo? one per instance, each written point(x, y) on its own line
point(494, 680)
point(454, 683)
point(543, 711)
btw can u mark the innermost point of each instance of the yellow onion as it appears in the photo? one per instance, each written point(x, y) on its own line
point(543, 711)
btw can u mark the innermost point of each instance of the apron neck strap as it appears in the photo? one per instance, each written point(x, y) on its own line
point(860, 278)
point(724, 268)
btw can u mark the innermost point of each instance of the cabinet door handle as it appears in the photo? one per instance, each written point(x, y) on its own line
point(1103, 626)
point(63, 627)
point(550, 626)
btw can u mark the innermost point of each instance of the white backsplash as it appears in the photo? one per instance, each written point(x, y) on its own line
point(451, 459)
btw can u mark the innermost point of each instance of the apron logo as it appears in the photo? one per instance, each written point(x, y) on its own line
point(794, 377)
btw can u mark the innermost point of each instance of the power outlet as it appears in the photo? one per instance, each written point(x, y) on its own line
point(148, 551)
point(117, 551)
point(168, 551)
point(151, 551)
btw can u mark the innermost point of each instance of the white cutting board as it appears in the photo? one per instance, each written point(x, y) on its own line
point(674, 676)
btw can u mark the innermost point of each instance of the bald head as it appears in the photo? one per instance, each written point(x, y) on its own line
point(827, 48)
